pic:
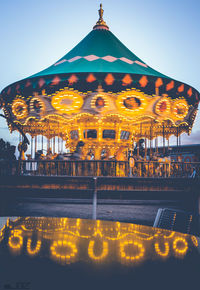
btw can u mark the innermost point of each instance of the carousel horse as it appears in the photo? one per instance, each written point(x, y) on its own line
point(78, 153)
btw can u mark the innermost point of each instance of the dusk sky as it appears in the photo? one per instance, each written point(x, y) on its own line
point(164, 34)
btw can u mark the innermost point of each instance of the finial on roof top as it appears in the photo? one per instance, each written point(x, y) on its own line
point(101, 24)
point(101, 12)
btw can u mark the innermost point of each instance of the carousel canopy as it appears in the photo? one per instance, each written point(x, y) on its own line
point(100, 51)
point(101, 59)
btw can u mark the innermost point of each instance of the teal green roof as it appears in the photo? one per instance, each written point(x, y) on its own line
point(87, 57)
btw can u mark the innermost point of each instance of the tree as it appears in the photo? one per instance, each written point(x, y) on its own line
point(7, 151)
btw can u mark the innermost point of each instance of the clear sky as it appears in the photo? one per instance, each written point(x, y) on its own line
point(165, 34)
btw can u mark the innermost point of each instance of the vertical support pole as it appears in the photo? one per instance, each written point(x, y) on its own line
point(163, 139)
point(151, 138)
point(54, 146)
point(48, 138)
point(31, 147)
point(35, 143)
point(156, 144)
point(42, 143)
point(177, 138)
point(58, 138)
point(48, 143)
point(94, 202)
point(138, 149)
point(145, 148)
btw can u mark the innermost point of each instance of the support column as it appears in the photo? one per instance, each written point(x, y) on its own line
point(42, 144)
point(31, 147)
point(54, 147)
point(48, 143)
point(58, 141)
point(155, 141)
point(150, 154)
point(177, 137)
point(35, 144)
point(163, 139)
point(62, 145)
point(138, 149)
point(145, 150)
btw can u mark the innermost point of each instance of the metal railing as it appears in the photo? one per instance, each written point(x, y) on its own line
point(99, 168)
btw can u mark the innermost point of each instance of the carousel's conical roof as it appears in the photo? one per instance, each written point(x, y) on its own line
point(100, 51)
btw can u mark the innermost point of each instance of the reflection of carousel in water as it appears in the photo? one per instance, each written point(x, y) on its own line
point(103, 95)
point(74, 240)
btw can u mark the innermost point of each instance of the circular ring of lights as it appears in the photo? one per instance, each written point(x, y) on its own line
point(183, 249)
point(60, 244)
point(40, 102)
point(94, 100)
point(163, 106)
point(138, 256)
point(19, 108)
point(67, 102)
point(180, 109)
point(133, 95)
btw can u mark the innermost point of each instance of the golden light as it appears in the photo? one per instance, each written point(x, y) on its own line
point(37, 105)
point(160, 252)
point(67, 102)
point(15, 241)
point(20, 108)
point(100, 102)
point(125, 246)
point(132, 111)
point(32, 251)
point(180, 108)
point(195, 241)
point(132, 102)
point(163, 107)
point(70, 240)
point(91, 252)
point(180, 246)
point(64, 250)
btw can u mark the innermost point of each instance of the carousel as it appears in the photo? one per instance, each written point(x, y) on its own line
point(101, 98)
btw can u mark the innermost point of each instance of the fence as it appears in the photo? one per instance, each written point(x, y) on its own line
point(99, 168)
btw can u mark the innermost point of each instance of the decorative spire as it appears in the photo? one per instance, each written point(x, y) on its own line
point(101, 24)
